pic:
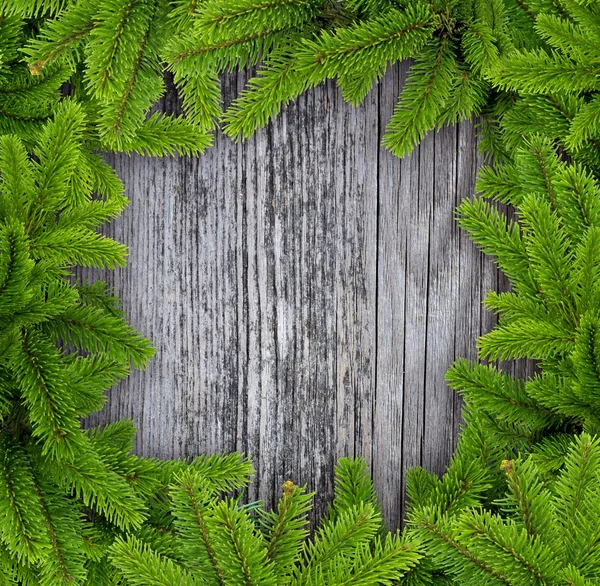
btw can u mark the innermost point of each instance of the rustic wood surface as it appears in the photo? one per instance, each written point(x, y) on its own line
point(306, 292)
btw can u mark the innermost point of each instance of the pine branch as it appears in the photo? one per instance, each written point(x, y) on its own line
point(221, 19)
point(90, 480)
point(62, 37)
point(22, 530)
point(193, 501)
point(366, 48)
point(275, 85)
point(140, 566)
point(38, 369)
point(286, 529)
point(541, 72)
point(423, 97)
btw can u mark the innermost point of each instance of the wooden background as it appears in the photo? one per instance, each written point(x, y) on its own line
point(306, 292)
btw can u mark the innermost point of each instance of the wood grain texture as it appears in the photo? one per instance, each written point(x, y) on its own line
point(306, 292)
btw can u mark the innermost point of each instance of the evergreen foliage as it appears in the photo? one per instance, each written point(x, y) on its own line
point(520, 501)
point(518, 439)
point(218, 541)
point(516, 64)
point(119, 50)
point(543, 530)
point(75, 506)
point(508, 509)
point(61, 346)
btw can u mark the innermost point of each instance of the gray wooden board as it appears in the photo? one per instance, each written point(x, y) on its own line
point(306, 292)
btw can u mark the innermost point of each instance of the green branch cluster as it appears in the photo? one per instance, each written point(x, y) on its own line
point(475, 57)
point(520, 502)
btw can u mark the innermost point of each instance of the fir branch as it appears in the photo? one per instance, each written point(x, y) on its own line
point(61, 37)
point(367, 47)
point(450, 543)
point(57, 151)
point(286, 529)
point(93, 330)
point(568, 37)
point(118, 23)
point(242, 554)
point(17, 179)
point(499, 394)
point(506, 549)
point(585, 125)
point(423, 97)
point(528, 501)
point(141, 566)
point(200, 94)
point(500, 238)
point(199, 54)
point(586, 360)
point(89, 479)
point(38, 370)
point(541, 72)
point(15, 268)
point(240, 18)
point(78, 246)
point(192, 500)
point(162, 135)
point(550, 254)
point(275, 85)
point(527, 338)
point(478, 44)
point(586, 272)
point(353, 486)
point(353, 527)
point(578, 486)
point(64, 526)
point(224, 472)
point(22, 528)
point(115, 126)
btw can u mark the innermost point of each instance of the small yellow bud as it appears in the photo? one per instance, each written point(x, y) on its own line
point(36, 68)
point(507, 466)
point(288, 488)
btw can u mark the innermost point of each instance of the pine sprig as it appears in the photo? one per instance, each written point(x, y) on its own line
point(365, 49)
point(243, 18)
point(423, 97)
point(286, 529)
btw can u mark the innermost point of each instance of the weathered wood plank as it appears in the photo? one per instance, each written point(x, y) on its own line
point(306, 292)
